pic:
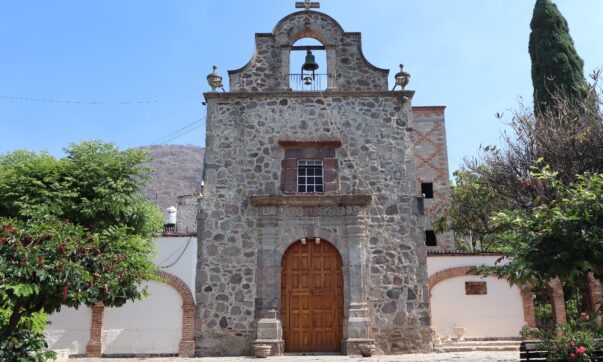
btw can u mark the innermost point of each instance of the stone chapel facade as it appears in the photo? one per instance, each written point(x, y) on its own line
point(314, 231)
point(311, 229)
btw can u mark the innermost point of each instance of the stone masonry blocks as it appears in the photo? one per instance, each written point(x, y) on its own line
point(241, 245)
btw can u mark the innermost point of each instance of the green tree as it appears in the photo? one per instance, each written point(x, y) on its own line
point(95, 186)
point(561, 237)
point(75, 231)
point(28, 340)
point(472, 203)
point(556, 66)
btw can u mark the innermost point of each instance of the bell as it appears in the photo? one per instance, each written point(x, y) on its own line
point(310, 63)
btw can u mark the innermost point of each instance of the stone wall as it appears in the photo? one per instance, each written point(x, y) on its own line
point(268, 69)
point(240, 245)
point(186, 221)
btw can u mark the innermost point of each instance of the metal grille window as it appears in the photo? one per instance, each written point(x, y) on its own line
point(310, 176)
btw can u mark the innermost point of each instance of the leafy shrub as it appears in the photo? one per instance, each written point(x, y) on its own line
point(574, 341)
point(27, 343)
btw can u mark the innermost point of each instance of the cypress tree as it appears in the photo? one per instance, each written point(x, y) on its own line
point(556, 66)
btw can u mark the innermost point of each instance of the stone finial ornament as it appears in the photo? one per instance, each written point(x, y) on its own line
point(215, 80)
point(402, 78)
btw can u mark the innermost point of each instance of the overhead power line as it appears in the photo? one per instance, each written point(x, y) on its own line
point(176, 133)
point(95, 102)
point(182, 134)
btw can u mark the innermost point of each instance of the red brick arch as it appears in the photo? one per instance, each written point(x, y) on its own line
point(187, 342)
point(527, 297)
point(186, 347)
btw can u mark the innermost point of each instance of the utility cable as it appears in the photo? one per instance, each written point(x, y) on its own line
point(94, 102)
point(182, 133)
point(176, 131)
point(179, 256)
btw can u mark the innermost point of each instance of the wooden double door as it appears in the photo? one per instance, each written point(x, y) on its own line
point(312, 297)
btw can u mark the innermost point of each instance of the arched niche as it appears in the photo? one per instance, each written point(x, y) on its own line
point(463, 271)
point(307, 80)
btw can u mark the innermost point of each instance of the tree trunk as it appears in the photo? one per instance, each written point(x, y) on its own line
point(12, 322)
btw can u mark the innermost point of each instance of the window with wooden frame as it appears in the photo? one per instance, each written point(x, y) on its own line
point(310, 176)
point(310, 166)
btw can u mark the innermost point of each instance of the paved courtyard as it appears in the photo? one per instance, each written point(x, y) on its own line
point(439, 357)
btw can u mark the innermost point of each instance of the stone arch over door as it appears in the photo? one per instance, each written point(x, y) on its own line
point(527, 297)
point(312, 297)
point(269, 267)
point(276, 233)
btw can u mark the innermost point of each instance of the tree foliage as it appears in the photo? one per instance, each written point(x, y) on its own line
point(556, 65)
point(95, 186)
point(565, 131)
point(568, 138)
point(27, 343)
point(547, 223)
point(560, 237)
point(47, 265)
point(75, 231)
point(472, 202)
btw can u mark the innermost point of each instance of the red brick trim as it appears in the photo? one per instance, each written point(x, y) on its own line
point(187, 342)
point(460, 271)
point(428, 111)
point(330, 144)
point(445, 274)
point(529, 316)
point(594, 296)
point(557, 302)
point(95, 346)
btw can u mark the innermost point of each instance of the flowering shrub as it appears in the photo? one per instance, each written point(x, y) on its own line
point(577, 340)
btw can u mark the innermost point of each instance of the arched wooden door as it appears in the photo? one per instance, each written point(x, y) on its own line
point(312, 298)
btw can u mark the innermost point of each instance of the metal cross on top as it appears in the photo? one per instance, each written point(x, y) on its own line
point(307, 4)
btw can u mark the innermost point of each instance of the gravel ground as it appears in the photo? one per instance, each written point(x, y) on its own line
point(439, 357)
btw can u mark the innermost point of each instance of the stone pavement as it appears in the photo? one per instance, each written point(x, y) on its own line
point(438, 357)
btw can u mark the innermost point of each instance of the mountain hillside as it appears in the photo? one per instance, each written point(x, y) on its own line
point(178, 171)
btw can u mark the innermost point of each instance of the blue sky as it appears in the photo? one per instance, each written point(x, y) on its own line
point(138, 67)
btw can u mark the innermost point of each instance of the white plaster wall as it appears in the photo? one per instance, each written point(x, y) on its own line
point(496, 314)
point(69, 329)
point(439, 263)
point(149, 326)
point(183, 251)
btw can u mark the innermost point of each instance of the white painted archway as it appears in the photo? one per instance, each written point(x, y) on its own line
point(149, 326)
